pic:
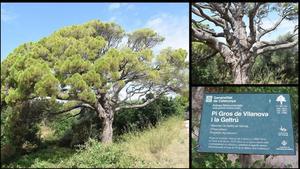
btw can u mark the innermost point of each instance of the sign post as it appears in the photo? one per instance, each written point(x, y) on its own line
point(246, 124)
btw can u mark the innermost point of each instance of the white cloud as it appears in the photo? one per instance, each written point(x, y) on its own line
point(6, 15)
point(114, 6)
point(174, 29)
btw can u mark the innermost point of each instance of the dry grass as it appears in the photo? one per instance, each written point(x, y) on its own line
point(163, 146)
point(46, 133)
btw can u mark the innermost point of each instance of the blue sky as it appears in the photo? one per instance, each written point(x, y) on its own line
point(25, 22)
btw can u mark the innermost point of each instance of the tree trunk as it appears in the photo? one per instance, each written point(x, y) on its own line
point(197, 102)
point(107, 130)
point(106, 115)
point(245, 160)
point(240, 74)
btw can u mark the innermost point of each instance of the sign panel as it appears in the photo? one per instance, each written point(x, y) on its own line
point(246, 124)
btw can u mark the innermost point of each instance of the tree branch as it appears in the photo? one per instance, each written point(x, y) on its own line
point(213, 42)
point(272, 28)
point(72, 108)
point(136, 105)
point(225, 14)
point(252, 14)
point(142, 104)
point(199, 12)
point(275, 47)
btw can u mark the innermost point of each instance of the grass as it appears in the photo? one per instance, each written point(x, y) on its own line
point(47, 157)
point(165, 145)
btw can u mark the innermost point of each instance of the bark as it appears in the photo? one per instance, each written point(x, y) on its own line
point(197, 96)
point(197, 102)
point(240, 73)
point(107, 130)
point(106, 114)
point(245, 160)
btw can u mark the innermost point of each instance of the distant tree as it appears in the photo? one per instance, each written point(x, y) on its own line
point(240, 48)
point(96, 66)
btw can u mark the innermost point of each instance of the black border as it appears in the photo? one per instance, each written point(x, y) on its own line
point(190, 89)
point(99, 1)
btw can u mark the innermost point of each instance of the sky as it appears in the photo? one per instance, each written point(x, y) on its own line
point(27, 22)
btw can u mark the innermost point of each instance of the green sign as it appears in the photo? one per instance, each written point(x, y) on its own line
point(246, 124)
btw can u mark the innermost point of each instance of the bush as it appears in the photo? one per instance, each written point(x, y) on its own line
point(138, 119)
point(44, 158)
point(96, 155)
point(210, 160)
point(19, 127)
point(7, 152)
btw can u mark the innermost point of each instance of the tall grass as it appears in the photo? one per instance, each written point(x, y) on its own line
point(165, 145)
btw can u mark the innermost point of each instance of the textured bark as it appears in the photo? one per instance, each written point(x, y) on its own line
point(106, 114)
point(241, 74)
point(107, 130)
point(197, 102)
point(245, 160)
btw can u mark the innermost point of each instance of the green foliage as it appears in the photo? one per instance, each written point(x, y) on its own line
point(278, 67)
point(85, 57)
point(207, 68)
point(137, 119)
point(7, 148)
point(95, 155)
point(143, 38)
point(61, 125)
point(210, 160)
point(125, 153)
point(48, 157)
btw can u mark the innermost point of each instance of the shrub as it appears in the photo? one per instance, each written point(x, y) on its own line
point(210, 160)
point(97, 155)
point(138, 119)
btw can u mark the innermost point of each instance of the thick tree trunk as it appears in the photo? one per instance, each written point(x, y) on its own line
point(245, 160)
point(106, 115)
point(107, 130)
point(240, 74)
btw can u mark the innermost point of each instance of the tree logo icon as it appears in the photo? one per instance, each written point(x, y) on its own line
point(281, 99)
point(284, 143)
